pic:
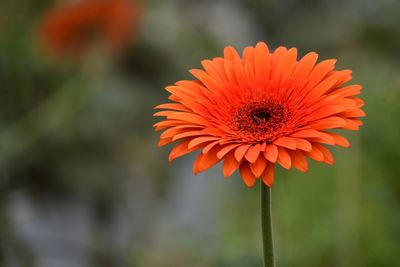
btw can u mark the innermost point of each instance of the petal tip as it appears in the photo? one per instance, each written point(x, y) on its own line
point(269, 184)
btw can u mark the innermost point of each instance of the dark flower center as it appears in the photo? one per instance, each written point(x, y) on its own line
point(260, 120)
point(261, 116)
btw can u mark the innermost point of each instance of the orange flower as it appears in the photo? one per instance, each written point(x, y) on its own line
point(260, 109)
point(71, 28)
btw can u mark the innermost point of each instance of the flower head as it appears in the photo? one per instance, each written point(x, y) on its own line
point(260, 109)
point(73, 27)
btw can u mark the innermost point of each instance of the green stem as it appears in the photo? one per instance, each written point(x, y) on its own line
point(266, 223)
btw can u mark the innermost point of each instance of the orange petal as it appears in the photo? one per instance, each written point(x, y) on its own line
point(230, 165)
point(262, 147)
point(298, 160)
point(340, 140)
point(185, 116)
point(230, 54)
point(277, 56)
point(208, 147)
point(164, 113)
point(249, 63)
point(359, 102)
point(319, 72)
point(166, 124)
point(249, 72)
point(271, 153)
point(351, 124)
point(284, 158)
point(181, 92)
point(328, 123)
point(353, 113)
point(326, 112)
point(205, 161)
point(305, 65)
point(258, 166)
point(350, 90)
point(180, 150)
point(207, 80)
point(187, 134)
point(200, 140)
point(316, 154)
point(173, 106)
point(230, 71)
point(240, 74)
point(226, 149)
point(248, 54)
point(247, 175)
point(303, 144)
point(196, 163)
point(287, 65)
point(173, 131)
point(306, 133)
point(322, 87)
point(174, 98)
point(262, 62)
point(268, 175)
point(324, 138)
point(286, 142)
point(164, 141)
point(328, 158)
point(241, 151)
point(211, 67)
point(252, 153)
point(342, 76)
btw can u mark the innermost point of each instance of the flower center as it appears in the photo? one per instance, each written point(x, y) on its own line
point(260, 120)
point(261, 116)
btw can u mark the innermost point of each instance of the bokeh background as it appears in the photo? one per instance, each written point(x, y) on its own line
point(83, 184)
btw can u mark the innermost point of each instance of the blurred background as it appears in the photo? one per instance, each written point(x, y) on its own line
point(83, 184)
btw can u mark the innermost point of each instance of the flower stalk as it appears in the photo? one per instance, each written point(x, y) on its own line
point(266, 223)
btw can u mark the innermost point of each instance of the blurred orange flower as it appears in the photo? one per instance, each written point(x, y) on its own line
point(73, 27)
point(260, 109)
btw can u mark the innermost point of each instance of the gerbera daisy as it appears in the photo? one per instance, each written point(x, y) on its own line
point(259, 109)
point(71, 28)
